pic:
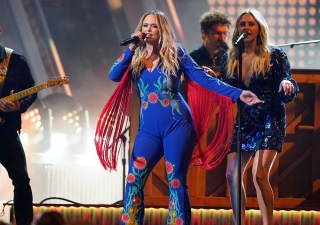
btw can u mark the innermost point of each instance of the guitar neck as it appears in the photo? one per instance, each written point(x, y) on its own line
point(24, 93)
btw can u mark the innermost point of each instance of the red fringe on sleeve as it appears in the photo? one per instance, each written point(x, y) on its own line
point(111, 123)
point(205, 105)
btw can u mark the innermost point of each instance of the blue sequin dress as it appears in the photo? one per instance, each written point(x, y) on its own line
point(263, 125)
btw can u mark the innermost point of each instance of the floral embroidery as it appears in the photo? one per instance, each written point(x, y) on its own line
point(125, 217)
point(169, 168)
point(140, 163)
point(131, 178)
point(175, 106)
point(161, 94)
point(118, 60)
point(144, 104)
point(139, 171)
point(132, 210)
point(175, 212)
point(178, 221)
point(153, 97)
point(121, 57)
point(175, 183)
point(143, 88)
point(138, 201)
point(165, 102)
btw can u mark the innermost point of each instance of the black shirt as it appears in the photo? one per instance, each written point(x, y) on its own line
point(18, 78)
point(202, 57)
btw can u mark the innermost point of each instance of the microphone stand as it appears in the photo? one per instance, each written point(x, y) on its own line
point(299, 43)
point(239, 136)
point(124, 161)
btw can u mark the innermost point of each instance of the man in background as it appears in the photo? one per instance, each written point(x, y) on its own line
point(214, 32)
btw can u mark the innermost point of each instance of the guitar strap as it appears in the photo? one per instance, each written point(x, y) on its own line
point(4, 67)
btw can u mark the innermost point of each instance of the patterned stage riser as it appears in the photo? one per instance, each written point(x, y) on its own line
point(104, 215)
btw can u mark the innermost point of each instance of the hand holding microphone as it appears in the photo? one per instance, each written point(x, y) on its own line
point(133, 41)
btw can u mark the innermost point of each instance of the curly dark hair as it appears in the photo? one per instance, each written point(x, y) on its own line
point(211, 18)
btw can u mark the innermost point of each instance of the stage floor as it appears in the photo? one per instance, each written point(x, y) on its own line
point(110, 215)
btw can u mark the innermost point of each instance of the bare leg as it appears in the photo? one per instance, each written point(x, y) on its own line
point(262, 164)
point(232, 178)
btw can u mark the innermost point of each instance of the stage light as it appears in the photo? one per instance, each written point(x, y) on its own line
point(282, 32)
point(292, 11)
point(35, 132)
point(115, 4)
point(292, 22)
point(312, 54)
point(282, 10)
point(271, 11)
point(232, 10)
point(241, 2)
point(68, 118)
point(292, 32)
point(282, 21)
point(312, 11)
point(312, 22)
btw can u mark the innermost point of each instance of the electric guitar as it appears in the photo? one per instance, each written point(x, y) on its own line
point(52, 82)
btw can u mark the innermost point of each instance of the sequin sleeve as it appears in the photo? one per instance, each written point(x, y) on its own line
point(282, 70)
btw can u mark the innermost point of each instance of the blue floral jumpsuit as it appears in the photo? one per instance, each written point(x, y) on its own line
point(165, 129)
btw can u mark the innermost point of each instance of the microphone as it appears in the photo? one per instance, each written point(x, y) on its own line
point(241, 38)
point(134, 39)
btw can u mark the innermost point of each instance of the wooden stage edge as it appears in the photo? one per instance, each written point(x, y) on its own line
point(111, 215)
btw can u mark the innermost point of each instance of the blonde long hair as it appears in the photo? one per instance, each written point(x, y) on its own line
point(168, 47)
point(261, 64)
